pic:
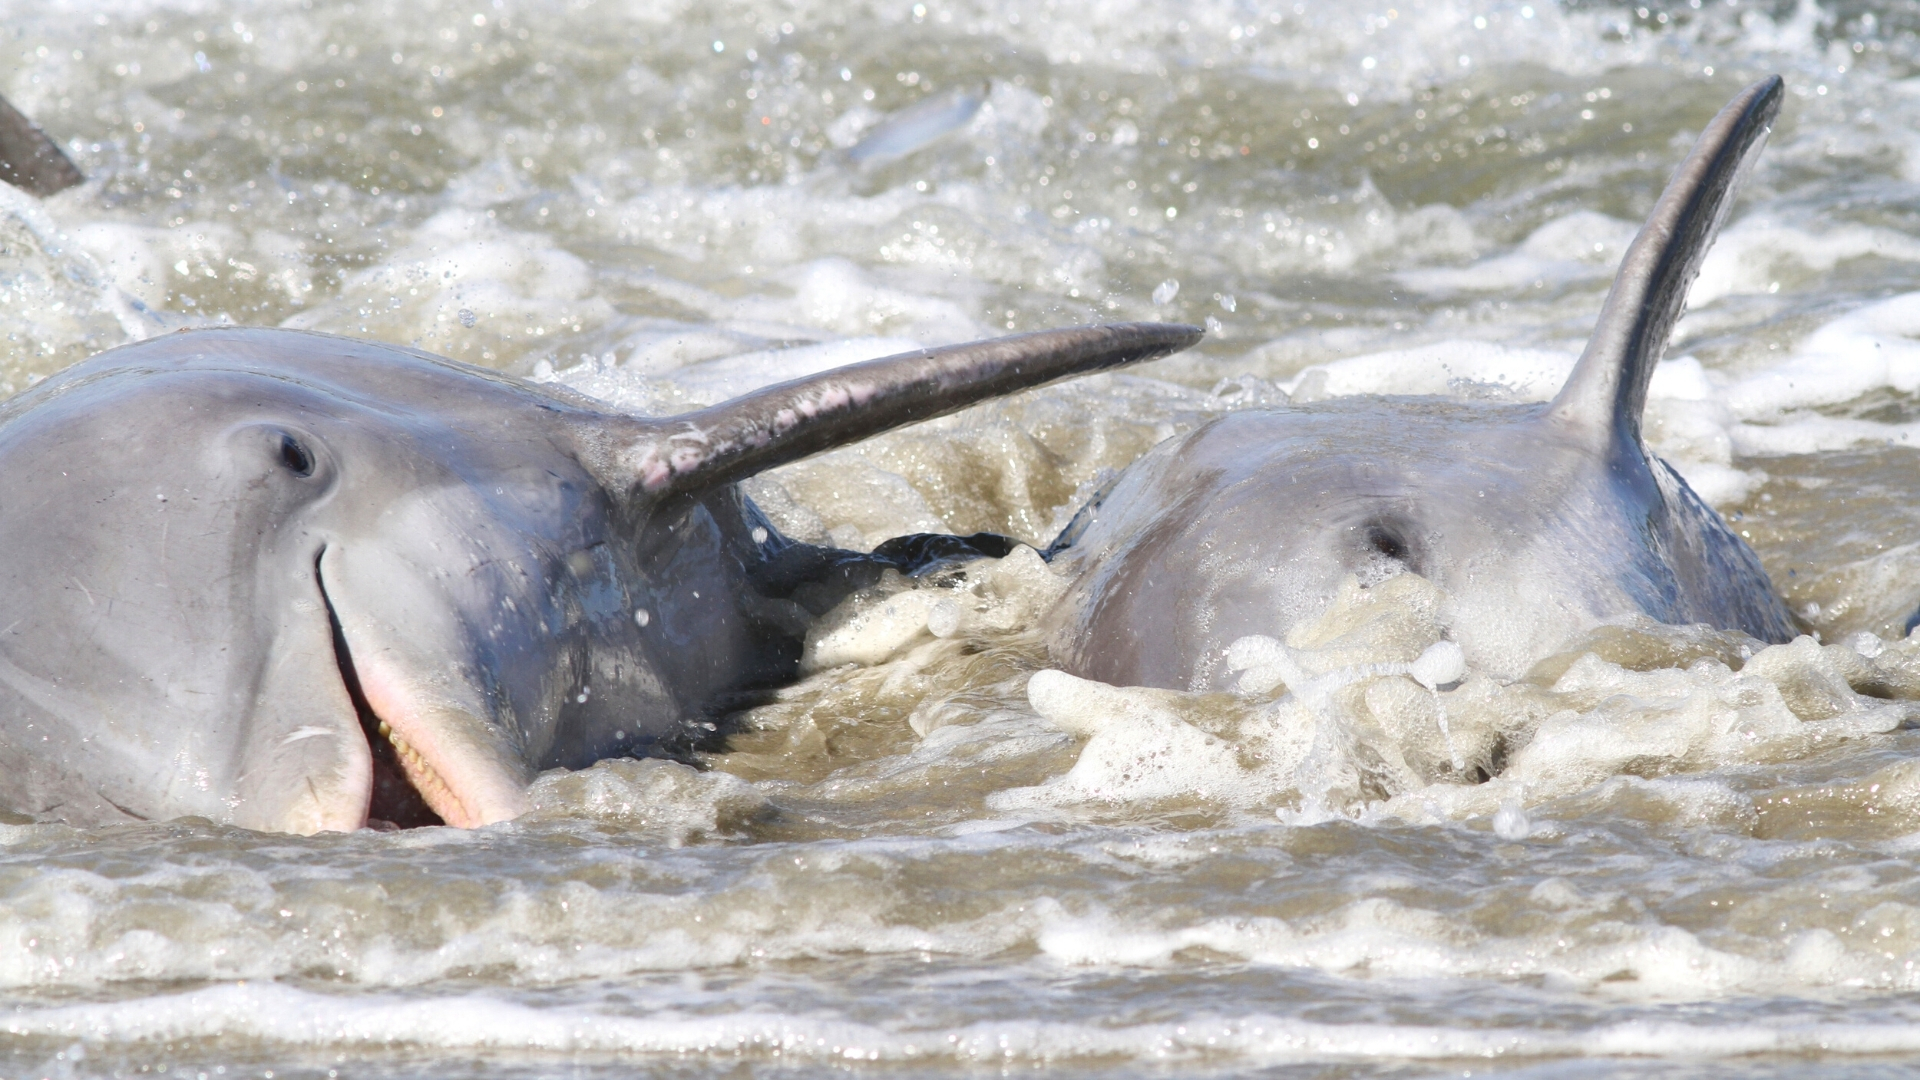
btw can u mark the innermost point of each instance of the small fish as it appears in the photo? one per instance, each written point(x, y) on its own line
point(919, 124)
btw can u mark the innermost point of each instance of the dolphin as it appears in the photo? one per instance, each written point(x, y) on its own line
point(1535, 522)
point(298, 582)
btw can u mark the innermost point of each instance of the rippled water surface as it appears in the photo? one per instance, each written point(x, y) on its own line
point(1667, 851)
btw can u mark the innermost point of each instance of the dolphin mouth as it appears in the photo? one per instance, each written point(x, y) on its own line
point(394, 800)
point(413, 786)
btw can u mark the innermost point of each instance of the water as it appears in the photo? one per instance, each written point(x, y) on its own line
point(1666, 852)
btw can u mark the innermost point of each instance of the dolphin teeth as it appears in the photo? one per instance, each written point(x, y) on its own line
point(424, 777)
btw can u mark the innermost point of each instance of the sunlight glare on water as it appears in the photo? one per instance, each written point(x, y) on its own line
point(1663, 851)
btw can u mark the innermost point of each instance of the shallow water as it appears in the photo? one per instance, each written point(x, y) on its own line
point(1665, 852)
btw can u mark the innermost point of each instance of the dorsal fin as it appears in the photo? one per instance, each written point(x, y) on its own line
point(791, 420)
point(1608, 388)
point(28, 159)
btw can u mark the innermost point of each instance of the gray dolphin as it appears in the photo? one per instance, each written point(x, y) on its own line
point(297, 582)
point(1537, 522)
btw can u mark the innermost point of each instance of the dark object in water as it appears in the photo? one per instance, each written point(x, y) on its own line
point(28, 159)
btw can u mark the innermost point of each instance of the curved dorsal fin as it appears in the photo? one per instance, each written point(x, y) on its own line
point(1608, 388)
point(791, 420)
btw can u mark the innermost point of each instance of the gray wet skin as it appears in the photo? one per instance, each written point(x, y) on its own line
point(1537, 522)
point(284, 580)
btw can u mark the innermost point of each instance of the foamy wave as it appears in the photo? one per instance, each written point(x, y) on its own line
point(1867, 349)
point(466, 288)
point(1362, 729)
point(288, 1018)
point(1697, 418)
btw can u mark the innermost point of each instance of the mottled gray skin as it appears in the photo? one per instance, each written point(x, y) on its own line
point(292, 581)
point(1536, 522)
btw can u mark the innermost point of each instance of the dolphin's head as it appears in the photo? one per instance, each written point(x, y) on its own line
point(324, 604)
point(481, 590)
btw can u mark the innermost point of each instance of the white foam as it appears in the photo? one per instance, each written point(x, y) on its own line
point(1355, 719)
point(1755, 254)
point(1866, 349)
point(465, 287)
point(1391, 939)
point(1772, 411)
point(732, 376)
point(1461, 368)
point(1580, 246)
point(664, 801)
point(1360, 714)
point(480, 1023)
point(1784, 702)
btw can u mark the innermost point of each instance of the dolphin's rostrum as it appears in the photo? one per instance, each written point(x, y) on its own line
point(297, 582)
point(1535, 522)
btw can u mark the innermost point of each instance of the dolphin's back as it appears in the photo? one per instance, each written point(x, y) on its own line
point(1533, 523)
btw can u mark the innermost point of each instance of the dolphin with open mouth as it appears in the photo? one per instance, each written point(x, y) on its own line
point(1535, 522)
point(299, 582)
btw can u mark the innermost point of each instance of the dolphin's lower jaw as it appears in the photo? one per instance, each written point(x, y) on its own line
point(423, 772)
point(462, 784)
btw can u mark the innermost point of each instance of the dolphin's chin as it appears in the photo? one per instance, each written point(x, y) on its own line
point(423, 772)
point(424, 790)
point(443, 785)
point(395, 800)
point(420, 776)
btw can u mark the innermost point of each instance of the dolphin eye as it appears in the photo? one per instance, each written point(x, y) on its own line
point(294, 456)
